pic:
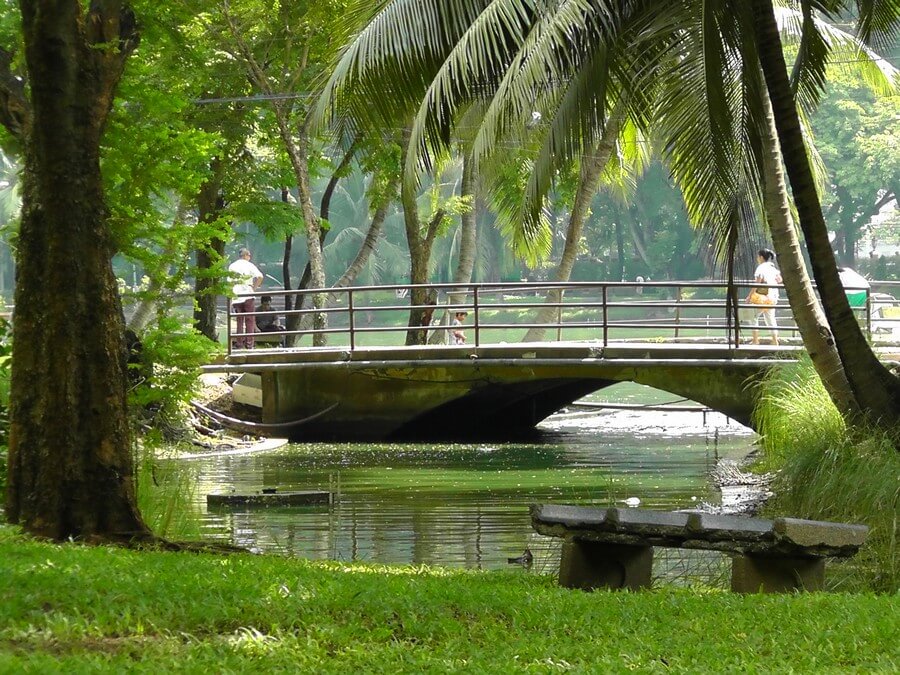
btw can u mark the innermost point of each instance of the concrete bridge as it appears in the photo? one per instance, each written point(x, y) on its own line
point(443, 391)
point(497, 385)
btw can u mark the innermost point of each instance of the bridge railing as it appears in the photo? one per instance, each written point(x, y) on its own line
point(368, 316)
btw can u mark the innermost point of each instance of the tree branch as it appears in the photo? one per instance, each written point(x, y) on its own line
point(325, 203)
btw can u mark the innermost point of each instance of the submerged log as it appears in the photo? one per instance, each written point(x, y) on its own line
point(270, 497)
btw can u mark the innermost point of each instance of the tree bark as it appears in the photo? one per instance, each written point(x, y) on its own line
point(876, 390)
point(468, 240)
point(805, 306)
point(295, 321)
point(420, 245)
point(70, 461)
point(588, 181)
point(210, 204)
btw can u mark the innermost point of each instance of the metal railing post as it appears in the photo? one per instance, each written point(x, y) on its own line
point(228, 323)
point(677, 309)
point(737, 315)
point(351, 320)
point(869, 313)
point(477, 318)
point(562, 294)
point(605, 317)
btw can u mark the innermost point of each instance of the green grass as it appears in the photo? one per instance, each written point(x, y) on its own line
point(76, 609)
point(829, 472)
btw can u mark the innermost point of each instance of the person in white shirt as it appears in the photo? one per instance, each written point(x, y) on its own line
point(249, 278)
point(763, 297)
point(457, 337)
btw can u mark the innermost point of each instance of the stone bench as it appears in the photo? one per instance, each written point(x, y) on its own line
point(613, 548)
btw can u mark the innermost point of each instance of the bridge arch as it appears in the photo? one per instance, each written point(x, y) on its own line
point(427, 393)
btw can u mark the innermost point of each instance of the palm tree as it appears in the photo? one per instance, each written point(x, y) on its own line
point(875, 389)
point(514, 54)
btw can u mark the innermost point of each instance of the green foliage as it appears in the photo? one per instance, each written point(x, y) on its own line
point(275, 220)
point(78, 609)
point(857, 133)
point(175, 352)
point(533, 242)
point(828, 471)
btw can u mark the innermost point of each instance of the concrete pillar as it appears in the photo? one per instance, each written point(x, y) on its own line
point(588, 565)
point(763, 574)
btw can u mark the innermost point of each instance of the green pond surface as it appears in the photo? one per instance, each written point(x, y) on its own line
point(466, 505)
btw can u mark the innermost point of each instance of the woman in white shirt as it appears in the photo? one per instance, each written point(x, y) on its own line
point(763, 297)
point(248, 278)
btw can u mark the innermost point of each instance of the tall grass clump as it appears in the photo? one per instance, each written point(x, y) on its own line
point(829, 471)
point(166, 494)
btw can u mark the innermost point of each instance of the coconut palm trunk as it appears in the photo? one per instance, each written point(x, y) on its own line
point(811, 321)
point(366, 249)
point(592, 166)
point(876, 390)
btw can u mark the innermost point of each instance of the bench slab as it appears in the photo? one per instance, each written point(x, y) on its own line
point(734, 534)
point(612, 548)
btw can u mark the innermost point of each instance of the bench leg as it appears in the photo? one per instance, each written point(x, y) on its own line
point(770, 574)
point(588, 565)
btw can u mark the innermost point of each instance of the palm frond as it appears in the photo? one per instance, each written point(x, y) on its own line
point(879, 21)
point(400, 48)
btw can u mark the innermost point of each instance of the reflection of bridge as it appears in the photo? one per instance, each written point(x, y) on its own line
point(495, 384)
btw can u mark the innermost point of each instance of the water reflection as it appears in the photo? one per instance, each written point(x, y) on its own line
point(465, 505)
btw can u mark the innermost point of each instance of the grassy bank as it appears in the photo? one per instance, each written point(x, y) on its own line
point(79, 609)
point(829, 472)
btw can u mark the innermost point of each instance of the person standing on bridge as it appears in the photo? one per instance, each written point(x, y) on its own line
point(764, 298)
point(457, 337)
point(249, 278)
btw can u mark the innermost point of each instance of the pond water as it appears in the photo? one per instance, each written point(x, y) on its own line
point(466, 505)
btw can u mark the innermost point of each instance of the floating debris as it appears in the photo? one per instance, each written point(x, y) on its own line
point(270, 497)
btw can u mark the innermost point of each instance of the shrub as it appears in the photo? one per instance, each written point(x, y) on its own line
point(172, 354)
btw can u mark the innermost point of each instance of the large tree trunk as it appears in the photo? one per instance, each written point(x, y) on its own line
point(70, 462)
point(876, 390)
point(210, 203)
point(804, 305)
point(592, 166)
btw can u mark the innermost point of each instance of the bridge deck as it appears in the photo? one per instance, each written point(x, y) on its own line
point(657, 351)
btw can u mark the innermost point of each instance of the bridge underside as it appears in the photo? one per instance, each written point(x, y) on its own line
point(460, 392)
